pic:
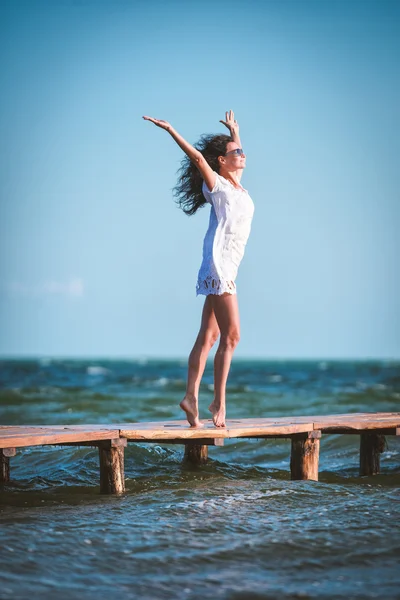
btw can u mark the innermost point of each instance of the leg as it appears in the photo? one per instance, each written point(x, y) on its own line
point(226, 311)
point(206, 338)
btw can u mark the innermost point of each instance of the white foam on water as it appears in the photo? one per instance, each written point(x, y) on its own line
point(96, 370)
point(361, 385)
point(161, 382)
point(275, 378)
point(234, 499)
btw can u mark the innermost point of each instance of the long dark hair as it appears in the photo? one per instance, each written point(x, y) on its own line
point(188, 190)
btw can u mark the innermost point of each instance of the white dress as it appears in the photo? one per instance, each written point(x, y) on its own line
point(224, 243)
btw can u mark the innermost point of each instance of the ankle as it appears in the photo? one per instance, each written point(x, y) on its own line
point(191, 397)
point(218, 404)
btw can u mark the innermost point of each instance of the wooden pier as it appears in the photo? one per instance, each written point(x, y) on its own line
point(304, 432)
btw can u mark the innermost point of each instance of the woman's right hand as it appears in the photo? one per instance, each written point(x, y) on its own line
point(160, 123)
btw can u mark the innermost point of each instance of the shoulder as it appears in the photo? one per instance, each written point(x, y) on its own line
point(220, 184)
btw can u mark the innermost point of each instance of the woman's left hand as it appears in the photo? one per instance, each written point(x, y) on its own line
point(230, 122)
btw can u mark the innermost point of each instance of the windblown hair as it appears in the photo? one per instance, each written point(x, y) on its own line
point(188, 190)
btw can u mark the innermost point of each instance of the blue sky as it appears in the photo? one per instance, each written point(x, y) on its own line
point(96, 258)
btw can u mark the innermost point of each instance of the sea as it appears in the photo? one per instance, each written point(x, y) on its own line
point(236, 528)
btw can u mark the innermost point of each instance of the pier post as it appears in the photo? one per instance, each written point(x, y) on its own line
point(196, 454)
point(305, 455)
point(371, 446)
point(5, 454)
point(111, 455)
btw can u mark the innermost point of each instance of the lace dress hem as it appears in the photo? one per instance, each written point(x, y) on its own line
point(216, 286)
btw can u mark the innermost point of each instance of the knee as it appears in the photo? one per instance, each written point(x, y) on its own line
point(231, 339)
point(210, 338)
point(206, 340)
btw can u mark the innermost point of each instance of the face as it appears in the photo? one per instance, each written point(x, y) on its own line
point(233, 162)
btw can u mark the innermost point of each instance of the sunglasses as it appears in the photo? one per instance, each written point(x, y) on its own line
point(237, 151)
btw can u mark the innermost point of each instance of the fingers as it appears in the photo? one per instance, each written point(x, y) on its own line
point(229, 115)
point(157, 122)
point(230, 119)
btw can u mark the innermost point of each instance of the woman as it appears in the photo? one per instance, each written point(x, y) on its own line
point(211, 173)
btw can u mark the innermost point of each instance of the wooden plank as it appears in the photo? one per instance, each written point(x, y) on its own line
point(210, 431)
point(183, 424)
point(18, 440)
point(58, 427)
point(375, 419)
point(340, 418)
point(18, 429)
point(356, 424)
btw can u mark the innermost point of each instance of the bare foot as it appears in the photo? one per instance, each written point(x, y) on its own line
point(218, 414)
point(189, 405)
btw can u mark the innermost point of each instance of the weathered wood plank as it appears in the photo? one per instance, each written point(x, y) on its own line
point(52, 436)
point(356, 424)
point(59, 427)
point(183, 431)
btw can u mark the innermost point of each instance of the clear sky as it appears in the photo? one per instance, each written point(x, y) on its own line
point(97, 260)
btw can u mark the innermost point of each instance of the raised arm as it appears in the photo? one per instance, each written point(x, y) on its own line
point(195, 156)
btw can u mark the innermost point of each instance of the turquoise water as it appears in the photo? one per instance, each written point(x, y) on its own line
point(236, 528)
